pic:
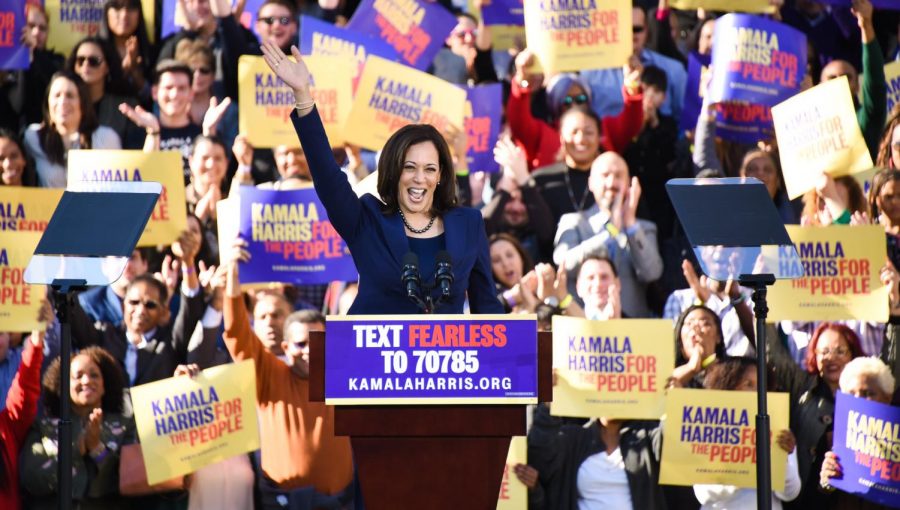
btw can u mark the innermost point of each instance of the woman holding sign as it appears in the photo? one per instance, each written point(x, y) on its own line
point(417, 213)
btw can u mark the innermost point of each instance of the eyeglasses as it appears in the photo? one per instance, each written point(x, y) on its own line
point(637, 29)
point(579, 99)
point(92, 61)
point(839, 352)
point(283, 20)
point(461, 34)
point(702, 323)
point(202, 70)
point(148, 304)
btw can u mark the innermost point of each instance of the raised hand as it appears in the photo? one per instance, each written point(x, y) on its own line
point(140, 116)
point(186, 247)
point(701, 291)
point(512, 160)
point(293, 73)
point(214, 114)
point(629, 213)
point(169, 273)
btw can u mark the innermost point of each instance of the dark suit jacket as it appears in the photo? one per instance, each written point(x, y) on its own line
point(101, 305)
point(157, 360)
point(378, 242)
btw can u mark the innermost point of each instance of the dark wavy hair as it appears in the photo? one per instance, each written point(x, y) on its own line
point(145, 48)
point(29, 176)
point(849, 336)
point(679, 324)
point(527, 263)
point(728, 372)
point(50, 139)
point(113, 382)
point(881, 178)
point(393, 157)
point(115, 82)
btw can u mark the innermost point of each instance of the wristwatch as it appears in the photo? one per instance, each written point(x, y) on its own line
point(552, 301)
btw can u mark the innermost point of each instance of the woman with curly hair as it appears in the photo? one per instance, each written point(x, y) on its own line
point(98, 431)
point(889, 149)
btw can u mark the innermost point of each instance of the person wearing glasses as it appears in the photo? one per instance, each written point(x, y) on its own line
point(146, 344)
point(276, 21)
point(606, 83)
point(541, 137)
point(467, 56)
point(98, 64)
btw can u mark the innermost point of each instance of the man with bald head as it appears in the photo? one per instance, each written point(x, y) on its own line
point(611, 228)
point(871, 106)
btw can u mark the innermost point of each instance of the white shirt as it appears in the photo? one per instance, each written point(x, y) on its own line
point(602, 482)
point(729, 497)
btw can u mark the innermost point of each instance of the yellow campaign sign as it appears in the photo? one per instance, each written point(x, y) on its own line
point(265, 102)
point(25, 209)
point(19, 301)
point(892, 78)
point(817, 131)
point(841, 280)
point(513, 493)
point(392, 95)
point(614, 368)
point(755, 6)
point(186, 423)
point(71, 22)
point(572, 36)
point(169, 218)
point(710, 438)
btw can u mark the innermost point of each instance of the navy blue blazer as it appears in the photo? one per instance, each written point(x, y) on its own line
point(378, 242)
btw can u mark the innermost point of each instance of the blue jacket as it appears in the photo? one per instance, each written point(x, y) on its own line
point(378, 242)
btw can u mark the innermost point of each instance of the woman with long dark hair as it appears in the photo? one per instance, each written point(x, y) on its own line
point(123, 26)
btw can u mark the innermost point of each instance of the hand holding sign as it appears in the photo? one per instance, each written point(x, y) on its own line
point(831, 468)
point(294, 73)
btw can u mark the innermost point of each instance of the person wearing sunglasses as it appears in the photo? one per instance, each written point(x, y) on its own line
point(98, 64)
point(468, 47)
point(146, 344)
point(276, 21)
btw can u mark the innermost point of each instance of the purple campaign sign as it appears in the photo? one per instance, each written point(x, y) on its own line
point(320, 38)
point(504, 12)
point(891, 5)
point(466, 358)
point(415, 29)
point(290, 239)
point(692, 100)
point(744, 123)
point(756, 60)
point(13, 54)
point(866, 439)
point(248, 17)
point(483, 127)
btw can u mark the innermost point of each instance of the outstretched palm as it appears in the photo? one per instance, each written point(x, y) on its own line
point(293, 73)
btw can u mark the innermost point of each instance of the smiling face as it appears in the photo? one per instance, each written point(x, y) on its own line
point(609, 178)
point(580, 136)
point(461, 40)
point(763, 168)
point(832, 355)
point(291, 163)
point(506, 263)
point(90, 64)
point(699, 331)
point(418, 178)
point(64, 104)
point(86, 389)
point(593, 283)
point(208, 164)
point(173, 94)
point(271, 26)
point(866, 386)
point(144, 309)
point(123, 18)
point(12, 162)
point(888, 200)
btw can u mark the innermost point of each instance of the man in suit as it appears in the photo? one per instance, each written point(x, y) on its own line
point(104, 304)
point(144, 344)
point(610, 228)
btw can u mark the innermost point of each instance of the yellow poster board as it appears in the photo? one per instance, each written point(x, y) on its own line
point(392, 95)
point(169, 218)
point(265, 103)
point(572, 36)
point(513, 493)
point(186, 423)
point(817, 131)
point(24, 209)
point(19, 302)
point(614, 369)
point(710, 438)
point(892, 78)
point(71, 22)
point(755, 6)
point(841, 265)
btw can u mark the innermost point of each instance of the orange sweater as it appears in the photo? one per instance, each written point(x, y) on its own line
point(297, 438)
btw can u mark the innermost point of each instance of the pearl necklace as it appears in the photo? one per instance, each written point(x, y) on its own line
point(413, 230)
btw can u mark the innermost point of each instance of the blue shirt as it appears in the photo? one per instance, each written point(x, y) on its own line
point(606, 86)
point(8, 368)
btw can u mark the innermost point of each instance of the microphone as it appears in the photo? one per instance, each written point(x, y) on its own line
point(443, 275)
point(409, 275)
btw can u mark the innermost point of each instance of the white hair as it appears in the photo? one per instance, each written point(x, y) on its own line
point(868, 367)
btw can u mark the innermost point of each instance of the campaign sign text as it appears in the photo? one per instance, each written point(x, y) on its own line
point(19, 301)
point(431, 359)
point(13, 54)
point(867, 443)
point(483, 113)
point(290, 239)
point(416, 29)
point(756, 60)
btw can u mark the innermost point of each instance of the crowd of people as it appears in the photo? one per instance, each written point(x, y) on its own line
point(578, 223)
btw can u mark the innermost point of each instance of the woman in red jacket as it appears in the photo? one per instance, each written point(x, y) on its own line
point(541, 140)
point(16, 418)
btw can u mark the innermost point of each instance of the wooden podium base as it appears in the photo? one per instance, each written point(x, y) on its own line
point(429, 472)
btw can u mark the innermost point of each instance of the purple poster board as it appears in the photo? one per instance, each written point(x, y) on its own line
point(744, 123)
point(504, 12)
point(891, 5)
point(248, 17)
point(483, 127)
point(320, 38)
point(415, 29)
point(865, 442)
point(693, 103)
point(431, 359)
point(290, 239)
point(13, 54)
point(756, 60)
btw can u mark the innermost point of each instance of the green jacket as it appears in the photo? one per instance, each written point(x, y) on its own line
point(872, 111)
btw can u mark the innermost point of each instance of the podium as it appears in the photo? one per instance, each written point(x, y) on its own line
point(430, 456)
